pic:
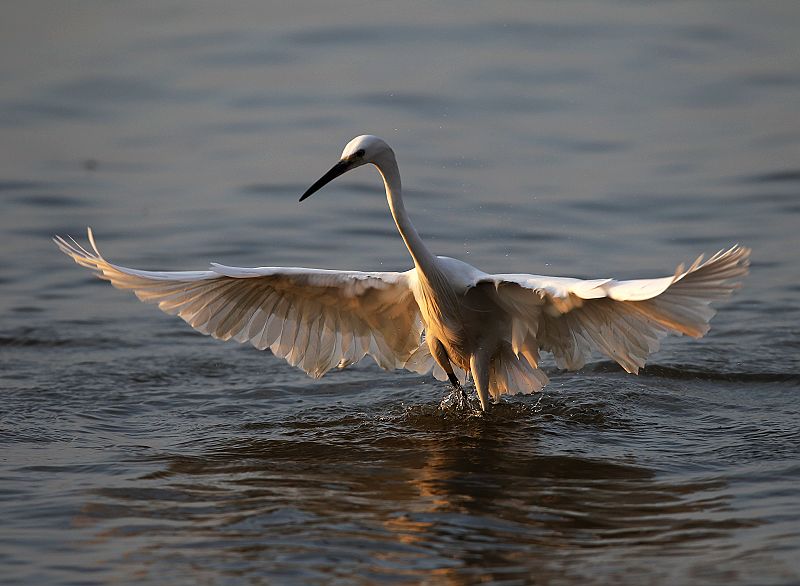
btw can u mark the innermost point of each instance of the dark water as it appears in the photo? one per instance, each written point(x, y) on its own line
point(588, 139)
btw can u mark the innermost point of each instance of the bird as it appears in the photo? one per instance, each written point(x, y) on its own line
point(442, 316)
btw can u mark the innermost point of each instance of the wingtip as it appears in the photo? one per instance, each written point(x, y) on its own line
point(90, 234)
point(740, 255)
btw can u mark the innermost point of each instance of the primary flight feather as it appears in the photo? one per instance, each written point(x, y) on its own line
point(442, 315)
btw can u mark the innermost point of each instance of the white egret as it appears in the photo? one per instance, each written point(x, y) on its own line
point(443, 314)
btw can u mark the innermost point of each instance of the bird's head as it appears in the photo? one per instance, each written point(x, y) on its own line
point(359, 151)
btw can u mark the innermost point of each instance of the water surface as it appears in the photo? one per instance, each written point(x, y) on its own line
point(585, 139)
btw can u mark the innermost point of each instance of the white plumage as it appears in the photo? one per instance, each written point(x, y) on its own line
point(443, 314)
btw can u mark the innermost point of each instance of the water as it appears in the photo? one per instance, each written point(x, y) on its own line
point(588, 139)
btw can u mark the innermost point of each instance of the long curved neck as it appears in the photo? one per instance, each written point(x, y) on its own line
point(423, 258)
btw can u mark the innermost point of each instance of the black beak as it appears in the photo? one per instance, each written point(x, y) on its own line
point(338, 169)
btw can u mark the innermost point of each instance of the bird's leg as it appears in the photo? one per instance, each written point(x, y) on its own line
point(479, 365)
point(463, 401)
point(454, 380)
point(442, 359)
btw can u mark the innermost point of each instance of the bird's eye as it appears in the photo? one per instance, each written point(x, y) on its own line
point(359, 153)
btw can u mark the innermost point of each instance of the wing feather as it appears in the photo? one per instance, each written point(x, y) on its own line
point(314, 318)
point(625, 320)
point(317, 319)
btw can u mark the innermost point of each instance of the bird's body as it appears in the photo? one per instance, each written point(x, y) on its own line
point(443, 314)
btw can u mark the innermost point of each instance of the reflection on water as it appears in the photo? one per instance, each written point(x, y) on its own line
point(403, 494)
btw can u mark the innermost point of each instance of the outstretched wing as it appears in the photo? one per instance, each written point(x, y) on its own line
point(625, 320)
point(314, 318)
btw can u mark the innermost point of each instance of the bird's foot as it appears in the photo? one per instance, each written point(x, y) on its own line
point(457, 399)
point(461, 397)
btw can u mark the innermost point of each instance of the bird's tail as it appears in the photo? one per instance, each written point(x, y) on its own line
point(511, 374)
